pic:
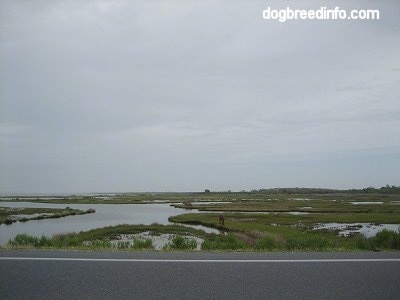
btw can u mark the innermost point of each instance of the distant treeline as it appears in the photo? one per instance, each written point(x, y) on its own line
point(385, 189)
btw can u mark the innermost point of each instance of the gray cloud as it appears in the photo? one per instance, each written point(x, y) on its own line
point(136, 95)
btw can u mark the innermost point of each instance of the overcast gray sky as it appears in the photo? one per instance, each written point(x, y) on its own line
point(102, 96)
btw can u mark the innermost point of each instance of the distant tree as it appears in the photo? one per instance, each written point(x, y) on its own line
point(207, 191)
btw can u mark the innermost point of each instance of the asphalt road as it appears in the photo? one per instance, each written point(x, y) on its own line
point(201, 275)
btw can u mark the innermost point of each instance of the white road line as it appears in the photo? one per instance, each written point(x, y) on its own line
point(205, 260)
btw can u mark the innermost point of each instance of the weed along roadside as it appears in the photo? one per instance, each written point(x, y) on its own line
point(122, 237)
point(264, 220)
point(175, 237)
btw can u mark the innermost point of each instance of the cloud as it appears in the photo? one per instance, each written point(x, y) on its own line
point(187, 88)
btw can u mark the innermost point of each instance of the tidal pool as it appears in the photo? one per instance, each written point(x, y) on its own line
point(366, 202)
point(105, 215)
point(159, 241)
point(366, 229)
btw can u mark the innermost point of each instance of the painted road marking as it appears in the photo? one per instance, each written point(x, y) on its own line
point(205, 260)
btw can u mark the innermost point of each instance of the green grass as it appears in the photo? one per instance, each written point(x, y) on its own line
point(284, 199)
point(136, 244)
point(101, 238)
point(276, 230)
point(383, 240)
point(220, 242)
point(274, 238)
point(248, 221)
point(60, 241)
point(143, 244)
point(181, 243)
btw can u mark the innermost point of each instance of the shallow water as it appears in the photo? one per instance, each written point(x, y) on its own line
point(210, 202)
point(105, 215)
point(366, 203)
point(159, 241)
point(116, 214)
point(366, 229)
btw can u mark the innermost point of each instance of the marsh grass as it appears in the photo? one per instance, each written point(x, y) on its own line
point(139, 244)
point(135, 244)
point(101, 238)
point(278, 239)
point(96, 244)
point(70, 240)
point(181, 243)
point(277, 229)
point(224, 242)
point(269, 232)
point(308, 242)
point(382, 240)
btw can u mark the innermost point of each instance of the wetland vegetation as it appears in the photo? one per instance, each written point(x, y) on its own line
point(258, 220)
point(114, 237)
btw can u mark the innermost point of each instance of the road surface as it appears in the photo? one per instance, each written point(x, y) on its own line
point(28, 274)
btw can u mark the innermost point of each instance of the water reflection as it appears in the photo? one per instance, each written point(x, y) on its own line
point(366, 229)
point(106, 215)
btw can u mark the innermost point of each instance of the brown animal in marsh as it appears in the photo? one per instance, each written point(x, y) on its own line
point(221, 219)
